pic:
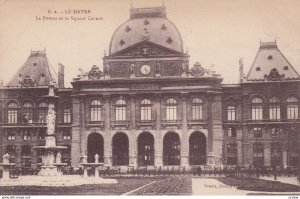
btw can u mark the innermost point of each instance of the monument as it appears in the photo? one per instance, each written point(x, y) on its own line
point(50, 164)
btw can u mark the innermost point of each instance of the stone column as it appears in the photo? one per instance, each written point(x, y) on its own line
point(82, 115)
point(284, 156)
point(184, 153)
point(75, 149)
point(107, 136)
point(267, 154)
point(132, 138)
point(158, 142)
point(210, 152)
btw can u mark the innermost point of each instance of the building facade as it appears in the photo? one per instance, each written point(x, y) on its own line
point(150, 107)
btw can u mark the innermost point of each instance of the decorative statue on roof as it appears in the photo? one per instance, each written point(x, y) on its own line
point(157, 68)
point(131, 68)
point(106, 69)
point(94, 73)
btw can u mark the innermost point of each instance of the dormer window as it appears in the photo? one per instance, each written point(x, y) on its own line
point(270, 57)
point(285, 68)
point(258, 69)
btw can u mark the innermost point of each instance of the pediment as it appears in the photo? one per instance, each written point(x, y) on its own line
point(146, 49)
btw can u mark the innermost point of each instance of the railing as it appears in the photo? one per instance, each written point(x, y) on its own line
point(24, 124)
point(100, 124)
point(171, 123)
point(119, 123)
point(150, 123)
point(273, 121)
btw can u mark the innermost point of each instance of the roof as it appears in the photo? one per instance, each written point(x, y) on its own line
point(271, 65)
point(36, 71)
point(146, 24)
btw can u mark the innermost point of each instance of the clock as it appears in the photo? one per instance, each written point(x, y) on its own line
point(145, 69)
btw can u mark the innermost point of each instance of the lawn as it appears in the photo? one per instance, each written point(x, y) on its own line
point(173, 185)
point(124, 185)
point(254, 184)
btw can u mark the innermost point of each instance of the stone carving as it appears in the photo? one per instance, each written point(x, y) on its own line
point(58, 158)
point(106, 69)
point(6, 158)
point(197, 70)
point(96, 158)
point(132, 68)
point(157, 68)
point(84, 159)
point(145, 34)
point(171, 68)
point(274, 75)
point(145, 49)
point(51, 119)
point(94, 73)
point(120, 69)
point(28, 82)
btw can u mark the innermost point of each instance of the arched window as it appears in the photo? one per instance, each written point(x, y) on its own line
point(256, 109)
point(27, 112)
point(145, 110)
point(197, 108)
point(12, 112)
point(95, 111)
point(120, 110)
point(292, 108)
point(43, 111)
point(274, 108)
point(171, 109)
point(67, 114)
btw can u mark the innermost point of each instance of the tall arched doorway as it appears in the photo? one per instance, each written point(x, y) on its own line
point(171, 149)
point(120, 149)
point(145, 149)
point(197, 148)
point(95, 146)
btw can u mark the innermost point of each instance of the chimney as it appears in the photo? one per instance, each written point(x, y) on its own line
point(61, 76)
point(241, 70)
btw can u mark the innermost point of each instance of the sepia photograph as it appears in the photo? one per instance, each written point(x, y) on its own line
point(149, 98)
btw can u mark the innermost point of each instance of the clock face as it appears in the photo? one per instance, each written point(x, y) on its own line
point(145, 69)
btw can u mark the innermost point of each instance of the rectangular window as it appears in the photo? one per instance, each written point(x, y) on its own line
point(145, 113)
point(232, 154)
point(274, 112)
point(258, 155)
point(276, 154)
point(275, 132)
point(231, 131)
point(67, 115)
point(26, 161)
point(257, 132)
point(292, 111)
point(120, 113)
point(197, 112)
point(26, 135)
point(257, 113)
point(95, 114)
point(171, 113)
point(42, 134)
point(66, 134)
point(11, 136)
point(12, 116)
point(231, 113)
point(43, 115)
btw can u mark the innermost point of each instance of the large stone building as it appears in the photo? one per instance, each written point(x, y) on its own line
point(150, 106)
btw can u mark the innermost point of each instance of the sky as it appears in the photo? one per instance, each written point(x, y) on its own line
point(216, 32)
